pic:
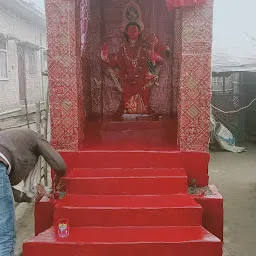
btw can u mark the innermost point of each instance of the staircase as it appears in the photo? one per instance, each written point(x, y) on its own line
point(127, 203)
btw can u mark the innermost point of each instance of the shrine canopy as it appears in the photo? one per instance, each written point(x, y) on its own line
point(171, 4)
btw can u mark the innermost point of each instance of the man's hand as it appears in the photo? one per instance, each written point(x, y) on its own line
point(56, 180)
point(41, 192)
point(58, 184)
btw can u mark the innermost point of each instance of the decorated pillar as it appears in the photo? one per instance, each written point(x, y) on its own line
point(65, 87)
point(195, 77)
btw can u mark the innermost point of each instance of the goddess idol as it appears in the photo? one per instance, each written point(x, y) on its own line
point(136, 66)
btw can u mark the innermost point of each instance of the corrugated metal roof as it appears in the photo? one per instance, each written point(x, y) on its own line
point(223, 62)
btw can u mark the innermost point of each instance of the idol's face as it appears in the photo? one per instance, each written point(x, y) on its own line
point(133, 32)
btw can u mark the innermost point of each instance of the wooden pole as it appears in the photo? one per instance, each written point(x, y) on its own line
point(46, 114)
point(46, 133)
point(38, 117)
point(38, 129)
point(26, 109)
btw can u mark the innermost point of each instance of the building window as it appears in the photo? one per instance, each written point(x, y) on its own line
point(32, 63)
point(3, 60)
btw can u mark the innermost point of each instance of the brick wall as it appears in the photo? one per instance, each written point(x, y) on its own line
point(15, 27)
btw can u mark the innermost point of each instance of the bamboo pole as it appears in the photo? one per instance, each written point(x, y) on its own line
point(38, 129)
point(26, 109)
point(38, 118)
point(46, 133)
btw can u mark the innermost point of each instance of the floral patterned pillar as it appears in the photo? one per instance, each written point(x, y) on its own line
point(195, 77)
point(66, 88)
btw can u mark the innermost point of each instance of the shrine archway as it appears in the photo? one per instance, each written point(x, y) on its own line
point(104, 26)
point(77, 84)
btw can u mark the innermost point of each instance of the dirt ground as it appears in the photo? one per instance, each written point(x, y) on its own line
point(235, 176)
point(25, 224)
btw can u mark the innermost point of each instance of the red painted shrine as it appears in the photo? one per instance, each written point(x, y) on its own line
point(130, 103)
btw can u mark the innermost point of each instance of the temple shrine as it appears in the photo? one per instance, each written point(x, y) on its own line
point(130, 91)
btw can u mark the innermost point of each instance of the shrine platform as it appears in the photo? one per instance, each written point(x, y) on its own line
point(127, 192)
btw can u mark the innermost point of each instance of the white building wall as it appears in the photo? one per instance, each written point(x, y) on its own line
point(9, 89)
point(33, 79)
point(15, 27)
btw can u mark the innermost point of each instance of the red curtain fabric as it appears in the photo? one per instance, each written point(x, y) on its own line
point(171, 4)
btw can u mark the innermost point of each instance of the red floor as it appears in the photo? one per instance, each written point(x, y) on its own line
point(142, 135)
point(123, 199)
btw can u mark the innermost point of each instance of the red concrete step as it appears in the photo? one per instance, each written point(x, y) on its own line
point(108, 211)
point(124, 159)
point(126, 241)
point(144, 181)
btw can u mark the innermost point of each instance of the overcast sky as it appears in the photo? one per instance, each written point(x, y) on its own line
point(234, 24)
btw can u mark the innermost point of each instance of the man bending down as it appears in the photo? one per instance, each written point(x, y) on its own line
point(19, 153)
